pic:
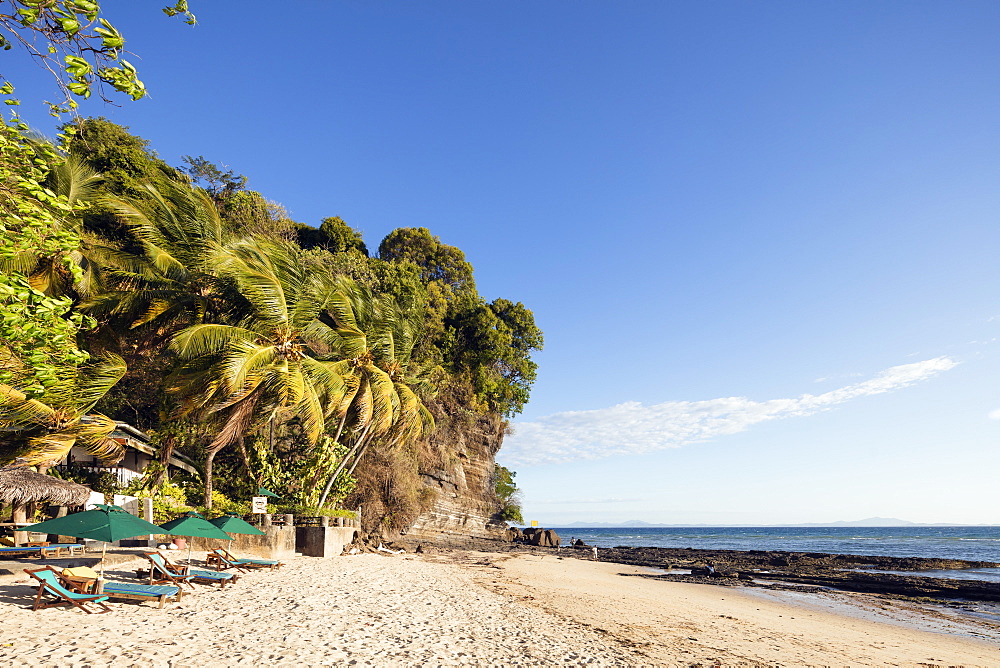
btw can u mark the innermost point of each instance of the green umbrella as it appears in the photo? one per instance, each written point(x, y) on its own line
point(194, 525)
point(235, 524)
point(105, 523)
point(266, 492)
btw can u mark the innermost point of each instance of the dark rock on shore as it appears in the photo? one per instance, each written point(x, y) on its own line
point(776, 570)
point(847, 572)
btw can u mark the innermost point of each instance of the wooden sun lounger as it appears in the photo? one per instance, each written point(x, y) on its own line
point(28, 551)
point(53, 550)
point(61, 549)
point(50, 582)
point(162, 571)
point(142, 592)
point(222, 559)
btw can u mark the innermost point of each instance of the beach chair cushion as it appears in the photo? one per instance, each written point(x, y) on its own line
point(262, 562)
point(142, 592)
point(210, 575)
point(138, 589)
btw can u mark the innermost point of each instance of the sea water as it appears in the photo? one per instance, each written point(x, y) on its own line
point(969, 543)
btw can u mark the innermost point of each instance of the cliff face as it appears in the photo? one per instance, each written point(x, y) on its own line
point(462, 486)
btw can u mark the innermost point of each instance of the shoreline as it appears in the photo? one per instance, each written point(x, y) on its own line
point(775, 569)
point(460, 607)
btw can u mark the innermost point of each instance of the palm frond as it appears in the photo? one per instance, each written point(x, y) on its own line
point(18, 412)
point(207, 339)
point(49, 448)
point(95, 379)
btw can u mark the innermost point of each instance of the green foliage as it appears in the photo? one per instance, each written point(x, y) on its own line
point(222, 504)
point(170, 500)
point(299, 468)
point(339, 237)
point(313, 511)
point(125, 164)
point(76, 44)
point(37, 331)
point(104, 482)
point(437, 261)
point(508, 495)
point(218, 181)
point(495, 341)
point(300, 363)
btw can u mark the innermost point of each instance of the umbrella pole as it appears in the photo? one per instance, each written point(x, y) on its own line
point(104, 551)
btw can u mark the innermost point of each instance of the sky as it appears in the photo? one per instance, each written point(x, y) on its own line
point(761, 238)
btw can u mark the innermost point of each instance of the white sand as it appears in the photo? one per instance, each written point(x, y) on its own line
point(459, 608)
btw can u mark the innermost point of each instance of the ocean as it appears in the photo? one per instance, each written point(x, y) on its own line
point(970, 543)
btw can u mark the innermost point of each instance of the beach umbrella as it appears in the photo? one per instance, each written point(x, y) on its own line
point(235, 524)
point(104, 523)
point(193, 525)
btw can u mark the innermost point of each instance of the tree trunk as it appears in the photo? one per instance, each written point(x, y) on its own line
point(246, 460)
point(209, 458)
point(347, 457)
point(20, 516)
point(361, 453)
point(166, 452)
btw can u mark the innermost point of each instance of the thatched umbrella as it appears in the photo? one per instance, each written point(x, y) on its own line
point(20, 485)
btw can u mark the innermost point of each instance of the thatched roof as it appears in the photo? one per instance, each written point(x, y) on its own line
point(19, 485)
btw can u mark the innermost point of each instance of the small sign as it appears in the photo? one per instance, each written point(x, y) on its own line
point(260, 505)
point(534, 523)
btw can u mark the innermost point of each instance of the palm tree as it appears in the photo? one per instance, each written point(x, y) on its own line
point(378, 403)
point(43, 430)
point(171, 280)
point(264, 367)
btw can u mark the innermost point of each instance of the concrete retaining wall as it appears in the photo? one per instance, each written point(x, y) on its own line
point(277, 543)
point(323, 541)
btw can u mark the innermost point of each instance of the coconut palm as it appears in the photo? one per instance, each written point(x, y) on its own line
point(378, 404)
point(171, 280)
point(42, 430)
point(264, 367)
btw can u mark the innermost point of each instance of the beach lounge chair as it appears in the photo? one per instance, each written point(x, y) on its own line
point(62, 549)
point(142, 592)
point(50, 583)
point(162, 571)
point(222, 559)
point(20, 551)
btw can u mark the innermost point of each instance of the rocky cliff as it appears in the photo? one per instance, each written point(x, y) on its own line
point(460, 487)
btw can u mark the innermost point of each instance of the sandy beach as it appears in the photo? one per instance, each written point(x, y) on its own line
point(468, 608)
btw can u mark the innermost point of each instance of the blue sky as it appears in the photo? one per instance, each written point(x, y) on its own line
point(791, 204)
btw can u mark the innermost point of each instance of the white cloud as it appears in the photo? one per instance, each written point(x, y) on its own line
point(631, 428)
point(994, 414)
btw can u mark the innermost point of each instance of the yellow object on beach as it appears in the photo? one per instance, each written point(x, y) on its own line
point(80, 572)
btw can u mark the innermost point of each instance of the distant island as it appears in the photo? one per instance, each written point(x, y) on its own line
point(869, 522)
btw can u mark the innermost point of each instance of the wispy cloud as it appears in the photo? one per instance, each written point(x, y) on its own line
point(632, 428)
